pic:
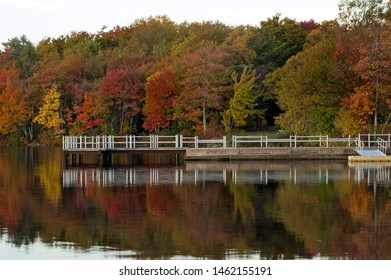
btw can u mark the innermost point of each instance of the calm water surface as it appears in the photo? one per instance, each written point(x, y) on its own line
point(147, 207)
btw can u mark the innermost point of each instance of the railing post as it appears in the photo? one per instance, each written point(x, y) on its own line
point(176, 141)
point(224, 141)
point(233, 141)
point(196, 142)
point(157, 141)
point(181, 141)
point(266, 141)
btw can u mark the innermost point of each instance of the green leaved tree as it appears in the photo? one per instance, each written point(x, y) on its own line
point(243, 104)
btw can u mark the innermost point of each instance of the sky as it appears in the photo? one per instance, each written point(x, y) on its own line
point(39, 19)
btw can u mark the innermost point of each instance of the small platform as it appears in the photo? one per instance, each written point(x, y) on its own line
point(369, 158)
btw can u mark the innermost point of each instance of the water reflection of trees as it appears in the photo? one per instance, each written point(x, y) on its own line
point(286, 215)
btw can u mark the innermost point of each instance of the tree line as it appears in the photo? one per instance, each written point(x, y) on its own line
point(158, 76)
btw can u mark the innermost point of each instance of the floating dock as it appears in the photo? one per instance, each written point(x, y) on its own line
point(379, 159)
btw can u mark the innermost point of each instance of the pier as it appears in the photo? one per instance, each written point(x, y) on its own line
point(362, 147)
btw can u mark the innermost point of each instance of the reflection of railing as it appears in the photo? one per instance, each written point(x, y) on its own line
point(372, 174)
point(140, 176)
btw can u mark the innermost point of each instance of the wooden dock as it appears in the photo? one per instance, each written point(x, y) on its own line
point(236, 148)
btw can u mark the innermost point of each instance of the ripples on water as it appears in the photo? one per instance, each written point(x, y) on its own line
point(146, 207)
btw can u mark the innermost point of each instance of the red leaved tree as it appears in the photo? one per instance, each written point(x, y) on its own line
point(14, 110)
point(122, 96)
point(201, 85)
point(160, 93)
point(82, 118)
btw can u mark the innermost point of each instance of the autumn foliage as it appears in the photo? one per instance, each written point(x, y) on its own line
point(162, 77)
point(161, 92)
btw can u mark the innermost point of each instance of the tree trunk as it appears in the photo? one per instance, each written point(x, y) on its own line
point(377, 94)
point(28, 131)
point(204, 117)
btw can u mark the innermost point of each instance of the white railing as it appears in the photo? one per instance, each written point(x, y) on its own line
point(262, 140)
point(295, 140)
point(120, 142)
point(382, 145)
point(107, 142)
point(214, 142)
point(371, 140)
point(359, 144)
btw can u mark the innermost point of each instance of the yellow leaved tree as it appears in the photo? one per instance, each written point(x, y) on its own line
point(49, 115)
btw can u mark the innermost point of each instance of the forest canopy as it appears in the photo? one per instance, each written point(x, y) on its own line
point(158, 76)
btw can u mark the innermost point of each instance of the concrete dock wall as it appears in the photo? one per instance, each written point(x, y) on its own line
point(273, 153)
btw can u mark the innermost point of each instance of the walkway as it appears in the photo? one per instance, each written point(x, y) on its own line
point(237, 147)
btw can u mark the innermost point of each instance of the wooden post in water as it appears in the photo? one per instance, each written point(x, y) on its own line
point(105, 159)
point(66, 159)
point(177, 159)
point(73, 159)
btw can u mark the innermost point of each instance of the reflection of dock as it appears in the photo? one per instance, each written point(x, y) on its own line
point(199, 173)
point(372, 174)
point(128, 177)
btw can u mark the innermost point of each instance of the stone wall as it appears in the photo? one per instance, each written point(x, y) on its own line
point(273, 153)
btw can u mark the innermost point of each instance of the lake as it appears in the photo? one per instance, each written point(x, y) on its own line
point(149, 207)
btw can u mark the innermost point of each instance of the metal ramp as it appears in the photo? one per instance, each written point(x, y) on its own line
point(370, 152)
point(379, 148)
